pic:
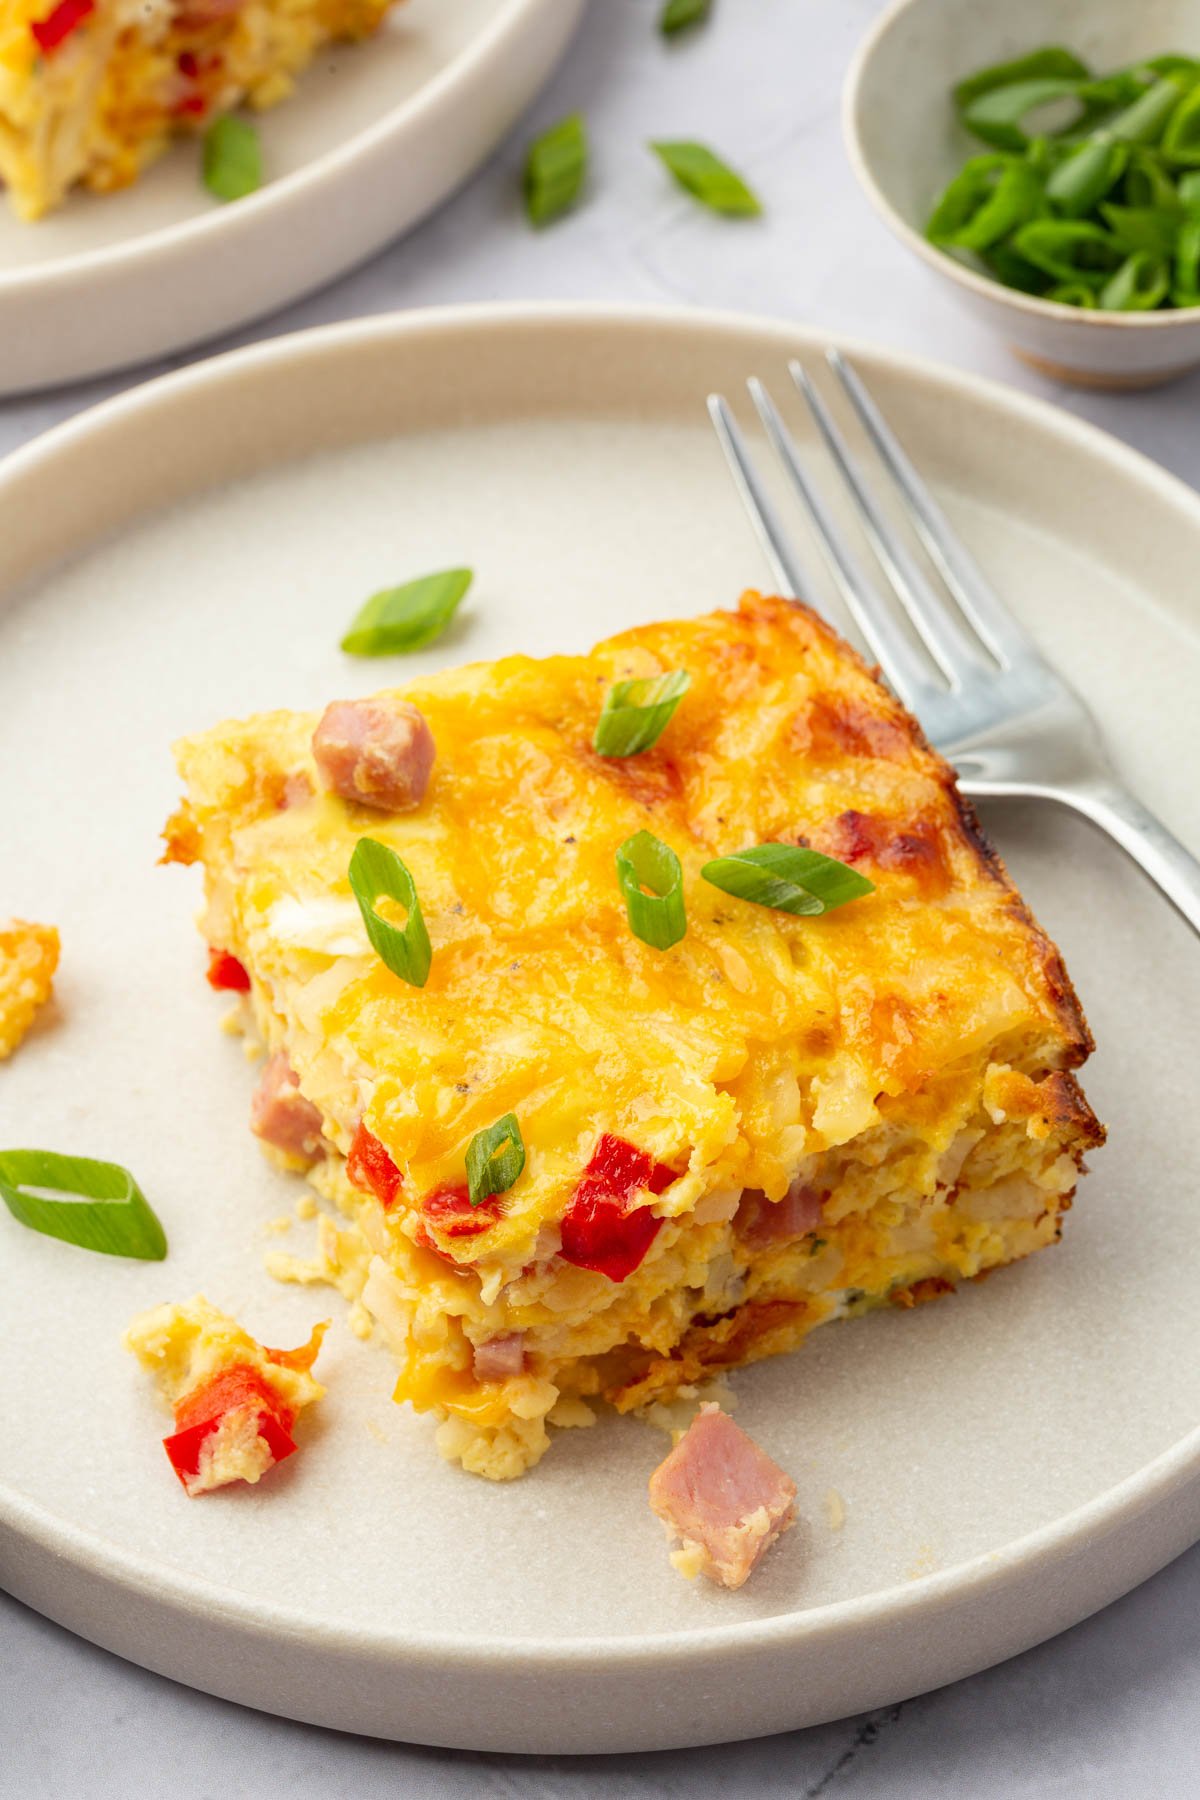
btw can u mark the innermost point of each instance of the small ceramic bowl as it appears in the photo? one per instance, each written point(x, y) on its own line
point(906, 143)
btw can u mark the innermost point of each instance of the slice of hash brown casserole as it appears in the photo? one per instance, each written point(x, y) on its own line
point(777, 1122)
point(93, 90)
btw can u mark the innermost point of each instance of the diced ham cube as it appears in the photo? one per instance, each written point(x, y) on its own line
point(501, 1357)
point(723, 1497)
point(375, 753)
point(760, 1222)
point(282, 1117)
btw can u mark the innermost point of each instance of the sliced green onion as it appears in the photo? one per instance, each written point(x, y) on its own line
point(1090, 212)
point(787, 879)
point(1186, 68)
point(1185, 289)
point(985, 202)
point(636, 713)
point(555, 168)
point(1072, 293)
point(232, 158)
point(1068, 249)
point(1053, 61)
point(1142, 228)
point(676, 15)
point(998, 116)
point(376, 873)
point(1145, 121)
point(657, 917)
point(97, 1205)
point(1013, 270)
point(1086, 176)
point(495, 1158)
point(702, 173)
point(1106, 97)
point(1140, 284)
point(400, 619)
point(1148, 184)
point(1181, 139)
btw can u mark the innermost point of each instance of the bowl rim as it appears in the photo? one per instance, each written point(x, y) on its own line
point(941, 261)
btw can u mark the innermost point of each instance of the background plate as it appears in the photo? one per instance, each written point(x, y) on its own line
point(375, 136)
point(1009, 1459)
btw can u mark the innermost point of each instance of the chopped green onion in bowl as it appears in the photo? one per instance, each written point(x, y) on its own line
point(1086, 192)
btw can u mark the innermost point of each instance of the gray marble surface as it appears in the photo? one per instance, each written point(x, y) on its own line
point(1110, 1707)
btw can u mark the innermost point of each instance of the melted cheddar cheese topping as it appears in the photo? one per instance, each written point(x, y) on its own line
point(891, 1053)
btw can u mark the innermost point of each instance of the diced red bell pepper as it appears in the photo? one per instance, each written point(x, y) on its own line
point(199, 1414)
point(226, 972)
point(450, 1210)
point(601, 1231)
point(371, 1168)
point(66, 17)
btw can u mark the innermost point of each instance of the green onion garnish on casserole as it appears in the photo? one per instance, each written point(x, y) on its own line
point(848, 1082)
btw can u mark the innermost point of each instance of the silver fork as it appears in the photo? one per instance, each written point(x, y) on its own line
point(984, 693)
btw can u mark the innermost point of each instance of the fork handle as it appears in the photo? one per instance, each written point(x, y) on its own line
point(1143, 837)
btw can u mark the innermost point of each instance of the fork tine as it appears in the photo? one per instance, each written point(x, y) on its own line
point(785, 565)
point(956, 653)
point(978, 599)
point(902, 664)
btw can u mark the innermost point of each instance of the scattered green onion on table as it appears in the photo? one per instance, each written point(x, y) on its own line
point(1089, 190)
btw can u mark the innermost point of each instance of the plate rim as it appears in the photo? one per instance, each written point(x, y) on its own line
point(515, 17)
point(1152, 1486)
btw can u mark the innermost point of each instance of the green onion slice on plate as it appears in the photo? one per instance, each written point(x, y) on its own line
point(702, 174)
point(97, 1205)
point(232, 158)
point(636, 713)
point(788, 879)
point(495, 1158)
point(377, 873)
point(657, 917)
point(555, 168)
point(400, 619)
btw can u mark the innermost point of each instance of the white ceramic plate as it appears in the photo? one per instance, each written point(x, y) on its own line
point(375, 137)
point(1009, 1459)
